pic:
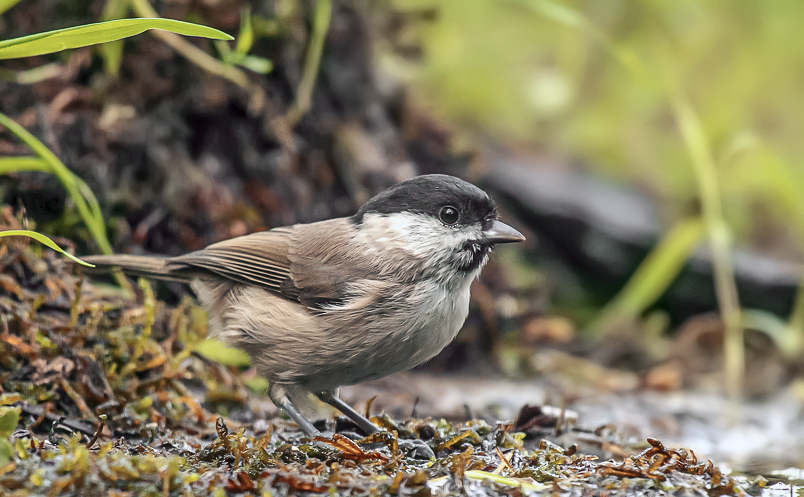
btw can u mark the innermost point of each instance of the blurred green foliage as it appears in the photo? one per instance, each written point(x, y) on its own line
point(696, 102)
point(588, 80)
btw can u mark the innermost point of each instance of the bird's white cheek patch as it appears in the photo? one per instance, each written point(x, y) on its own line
point(442, 248)
point(419, 234)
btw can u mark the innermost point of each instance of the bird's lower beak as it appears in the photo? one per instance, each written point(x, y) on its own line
point(502, 233)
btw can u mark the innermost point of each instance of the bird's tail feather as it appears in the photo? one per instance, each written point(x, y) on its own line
point(140, 265)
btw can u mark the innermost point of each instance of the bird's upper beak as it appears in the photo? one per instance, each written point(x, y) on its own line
point(502, 233)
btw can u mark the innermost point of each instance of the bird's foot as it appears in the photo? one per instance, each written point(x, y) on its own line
point(416, 448)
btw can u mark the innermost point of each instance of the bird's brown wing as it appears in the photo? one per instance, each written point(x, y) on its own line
point(304, 263)
point(257, 259)
point(324, 259)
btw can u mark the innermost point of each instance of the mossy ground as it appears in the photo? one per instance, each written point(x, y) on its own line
point(107, 393)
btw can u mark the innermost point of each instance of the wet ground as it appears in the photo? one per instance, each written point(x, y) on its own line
point(753, 437)
point(105, 391)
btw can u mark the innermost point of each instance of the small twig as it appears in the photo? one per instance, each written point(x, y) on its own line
point(505, 463)
point(321, 18)
point(75, 397)
point(98, 432)
point(74, 310)
point(368, 406)
point(415, 407)
point(72, 424)
point(191, 52)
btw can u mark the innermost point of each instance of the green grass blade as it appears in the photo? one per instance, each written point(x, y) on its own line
point(245, 39)
point(112, 52)
point(475, 474)
point(653, 275)
point(44, 241)
point(16, 164)
point(80, 195)
point(7, 4)
point(703, 164)
point(101, 32)
point(312, 61)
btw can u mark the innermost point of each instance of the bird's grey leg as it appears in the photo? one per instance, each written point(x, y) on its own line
point(417, 448)
point(281, 400)
point(364, 424)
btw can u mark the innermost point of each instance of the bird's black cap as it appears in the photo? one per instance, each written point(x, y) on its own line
point(428, 195)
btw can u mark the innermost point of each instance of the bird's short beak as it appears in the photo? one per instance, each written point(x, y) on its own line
point(502, 233)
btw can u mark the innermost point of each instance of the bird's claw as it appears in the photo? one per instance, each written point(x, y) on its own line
point(417, 449)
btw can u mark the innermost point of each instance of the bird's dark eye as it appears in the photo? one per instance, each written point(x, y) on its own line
point(448, 214)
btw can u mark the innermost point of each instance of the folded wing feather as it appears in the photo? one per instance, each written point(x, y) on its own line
point(309, 264)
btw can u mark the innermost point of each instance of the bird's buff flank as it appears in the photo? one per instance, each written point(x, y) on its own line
point(317, 306)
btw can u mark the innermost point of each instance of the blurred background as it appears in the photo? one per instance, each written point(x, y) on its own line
point(650, 151)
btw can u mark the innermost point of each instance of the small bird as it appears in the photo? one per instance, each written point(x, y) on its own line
point(339, 302)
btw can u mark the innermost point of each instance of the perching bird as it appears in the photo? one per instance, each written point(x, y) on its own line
point(321, 305)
